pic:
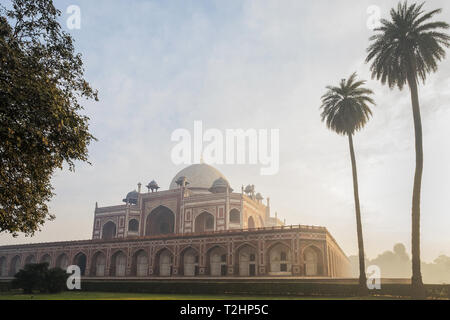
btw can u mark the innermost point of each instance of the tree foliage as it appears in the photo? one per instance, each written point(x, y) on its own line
point(37, 277)
point(55, 280)
point(407, 45)
point(345, 108)
point(404, 50)
point(41, 124)
point(30, 278)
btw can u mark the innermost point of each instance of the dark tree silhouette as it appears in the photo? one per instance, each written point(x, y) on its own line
point(41, 125)
point(37, 276)
point(405, 50)
point(345, 110)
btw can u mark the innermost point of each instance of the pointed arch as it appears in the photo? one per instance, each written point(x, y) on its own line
point(204, 222)
point(109, 230)
point(30, 259)
point(80, 259)
point(15, 265)
point(98, 264)
point(160, 220)
point(140, 263)
point(164, 262)
point(246, 261)
point(216, 245)
point(279, 258)
point(189, 259)
point(62, 261)
point(118, 264)
point(246, 243)
point(133, 225)
point(3, 267)
point(313, 261)
point(46, 258)
point(216, 259)
point(235, 216)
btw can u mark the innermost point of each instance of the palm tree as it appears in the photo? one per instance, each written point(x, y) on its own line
point(404, 51)
point(345, 110)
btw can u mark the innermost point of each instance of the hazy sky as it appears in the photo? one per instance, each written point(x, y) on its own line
point(161, 65)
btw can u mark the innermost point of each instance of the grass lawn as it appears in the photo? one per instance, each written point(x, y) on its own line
point(74, 295)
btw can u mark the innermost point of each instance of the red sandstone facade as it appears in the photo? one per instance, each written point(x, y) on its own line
point(197, 228)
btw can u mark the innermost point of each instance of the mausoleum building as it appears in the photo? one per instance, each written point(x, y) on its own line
point(199, 227)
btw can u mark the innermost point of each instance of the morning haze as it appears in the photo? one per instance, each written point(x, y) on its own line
point(161, 66)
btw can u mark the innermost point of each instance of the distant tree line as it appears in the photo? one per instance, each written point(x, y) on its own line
point(397, 264)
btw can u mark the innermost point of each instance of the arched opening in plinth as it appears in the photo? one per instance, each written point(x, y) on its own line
point(164, 263)
point(247, 261)
point(139, 265)
point(204, 222)
point(31, 259)
point(15, 266)
point(217, 261)
point(313, 261)
point(160, 221)
point(80, 260)
point(189, 262)
point(46, 258)
point(3, 267)
point(62, 261)
point(98, 264)
point(118, 264)
point(280, 259)
point(109, 230)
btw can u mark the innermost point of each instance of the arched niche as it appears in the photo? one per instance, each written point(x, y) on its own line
point(204, 222)
point(109, 230)
point(160, 221)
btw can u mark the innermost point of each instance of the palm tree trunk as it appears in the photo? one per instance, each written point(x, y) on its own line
point(418, 291)
point(362, 265)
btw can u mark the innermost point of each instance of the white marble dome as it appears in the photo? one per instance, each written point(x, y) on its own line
point(200, 175)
